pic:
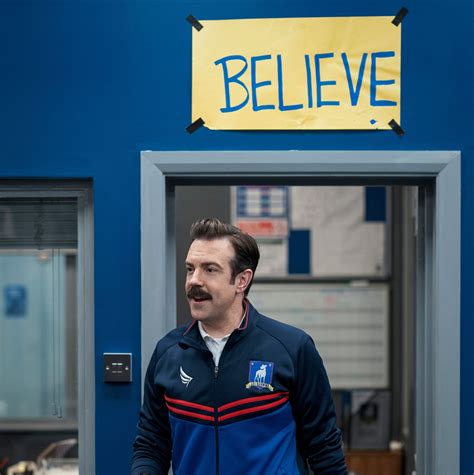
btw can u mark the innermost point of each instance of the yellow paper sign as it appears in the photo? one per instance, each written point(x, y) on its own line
point(297, 73)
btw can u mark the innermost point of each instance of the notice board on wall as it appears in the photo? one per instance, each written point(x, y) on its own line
point(262, 211)
point(297, 73)
point(349, 325)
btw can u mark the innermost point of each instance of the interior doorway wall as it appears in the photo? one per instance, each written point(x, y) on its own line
point(190, 203)
point(438, 273)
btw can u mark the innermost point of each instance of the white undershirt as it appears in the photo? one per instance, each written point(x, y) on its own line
point(215, 345)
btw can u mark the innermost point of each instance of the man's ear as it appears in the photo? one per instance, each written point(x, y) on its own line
point(243, 280)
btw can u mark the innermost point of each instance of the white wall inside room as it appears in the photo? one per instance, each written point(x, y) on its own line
point(346, 239)
point(343, 241)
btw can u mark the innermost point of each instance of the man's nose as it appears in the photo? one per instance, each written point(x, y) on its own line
point(195, 278)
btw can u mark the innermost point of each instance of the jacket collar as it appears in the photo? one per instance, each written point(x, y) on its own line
point(192, 336)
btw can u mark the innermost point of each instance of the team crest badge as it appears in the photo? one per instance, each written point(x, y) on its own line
point(260, 375)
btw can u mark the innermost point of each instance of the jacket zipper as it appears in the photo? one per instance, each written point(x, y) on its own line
point(216, 424)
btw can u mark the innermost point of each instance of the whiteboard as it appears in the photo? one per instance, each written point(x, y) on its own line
point(349, 325)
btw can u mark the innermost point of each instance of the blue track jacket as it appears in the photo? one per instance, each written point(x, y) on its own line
point(267, 408)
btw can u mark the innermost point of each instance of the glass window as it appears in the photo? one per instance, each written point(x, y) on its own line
point(38, 325)
point(37, 334)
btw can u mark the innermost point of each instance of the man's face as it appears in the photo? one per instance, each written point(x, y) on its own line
point(210, 290)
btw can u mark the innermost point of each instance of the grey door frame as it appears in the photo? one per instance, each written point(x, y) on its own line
point(82, 191)
point(438, 279)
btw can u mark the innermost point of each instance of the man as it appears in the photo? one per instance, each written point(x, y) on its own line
point(235, 392)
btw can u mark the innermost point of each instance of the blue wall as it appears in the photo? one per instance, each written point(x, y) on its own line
point(85, 85)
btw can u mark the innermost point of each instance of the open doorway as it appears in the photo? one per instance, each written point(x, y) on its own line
point(436, 174)
point(340, 263)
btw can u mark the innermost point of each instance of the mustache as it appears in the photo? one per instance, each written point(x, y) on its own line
point(198, 293)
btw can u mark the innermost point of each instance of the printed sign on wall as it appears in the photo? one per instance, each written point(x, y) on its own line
point(15, 298)
point(297, 73)
point(262, 211)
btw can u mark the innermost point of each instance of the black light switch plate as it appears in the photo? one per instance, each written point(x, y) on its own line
point(117, 367)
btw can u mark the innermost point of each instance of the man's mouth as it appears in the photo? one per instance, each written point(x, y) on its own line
point(198, 295)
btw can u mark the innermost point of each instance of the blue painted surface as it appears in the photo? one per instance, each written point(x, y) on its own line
point(299, 251)
point(85, 85)
point(375, 203)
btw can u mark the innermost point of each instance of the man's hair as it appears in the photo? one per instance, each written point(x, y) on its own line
point(245, 246)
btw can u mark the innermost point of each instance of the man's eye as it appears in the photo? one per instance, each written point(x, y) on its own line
point(211, 269)
point(189, 270)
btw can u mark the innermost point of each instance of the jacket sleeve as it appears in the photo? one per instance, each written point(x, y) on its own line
point(318, 437)
point(152, 446)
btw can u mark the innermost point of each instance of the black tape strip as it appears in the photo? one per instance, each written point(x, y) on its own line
point(194, 22)
point(400, 16)
point(396, 127)
point(195, 125)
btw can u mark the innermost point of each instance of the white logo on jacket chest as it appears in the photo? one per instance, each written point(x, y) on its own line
point(185, 378)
